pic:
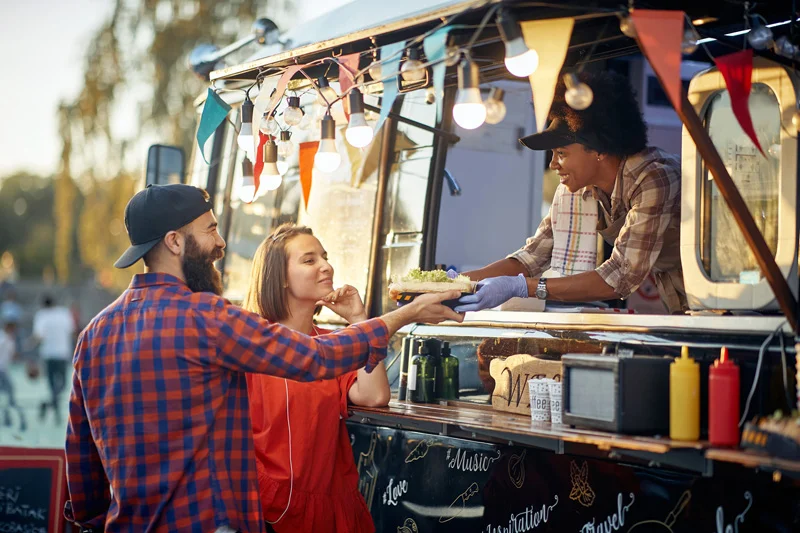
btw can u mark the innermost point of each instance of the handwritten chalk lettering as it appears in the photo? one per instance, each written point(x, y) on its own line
point(16, 527)
point(24, 510)
point(393, 492)
point(477, 462)
point(528, 520)
point(10, 494)
point(613, 522)
point(733, 528)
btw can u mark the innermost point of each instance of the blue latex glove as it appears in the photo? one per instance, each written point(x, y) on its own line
point(492, 292)
point(452, 274)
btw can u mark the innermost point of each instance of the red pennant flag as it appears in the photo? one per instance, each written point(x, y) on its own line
point(258, 164)
point(307, 152)
point(737, 69)
point(660, 34)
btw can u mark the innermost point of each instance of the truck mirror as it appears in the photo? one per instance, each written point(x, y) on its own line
point(165, 165)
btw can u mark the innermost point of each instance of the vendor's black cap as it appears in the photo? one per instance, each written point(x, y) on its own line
point(157, 210)
point(559, 134)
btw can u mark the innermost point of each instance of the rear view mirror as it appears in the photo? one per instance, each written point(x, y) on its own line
point(165, 165)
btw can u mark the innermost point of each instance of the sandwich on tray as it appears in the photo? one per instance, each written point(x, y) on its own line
point(417, 282)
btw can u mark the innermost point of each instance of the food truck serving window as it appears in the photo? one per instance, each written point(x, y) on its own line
point(725, 255)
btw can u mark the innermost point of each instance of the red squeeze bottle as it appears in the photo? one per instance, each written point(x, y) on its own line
point(723, 401)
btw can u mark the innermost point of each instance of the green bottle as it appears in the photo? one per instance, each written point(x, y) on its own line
point(447, 388)
point(421, 376)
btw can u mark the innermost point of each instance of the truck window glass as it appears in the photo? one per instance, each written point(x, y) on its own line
point(725, 254)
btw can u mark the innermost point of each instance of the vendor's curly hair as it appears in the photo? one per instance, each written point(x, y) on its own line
point(614, 115)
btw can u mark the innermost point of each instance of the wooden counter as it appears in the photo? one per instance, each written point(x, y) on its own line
point(481, 422)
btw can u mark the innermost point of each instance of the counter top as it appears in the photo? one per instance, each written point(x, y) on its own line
point(481, 422)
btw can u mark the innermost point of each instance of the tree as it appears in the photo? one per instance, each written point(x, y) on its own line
point(117, 66)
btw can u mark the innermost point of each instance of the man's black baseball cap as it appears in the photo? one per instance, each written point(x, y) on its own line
point(154, 212)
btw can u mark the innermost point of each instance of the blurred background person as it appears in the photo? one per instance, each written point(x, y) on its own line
point(307, 477)
point(54, 333)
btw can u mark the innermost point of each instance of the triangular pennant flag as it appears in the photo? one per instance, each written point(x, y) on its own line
point(258, 164)
point(660, 34)
point(346, 80)
point(737, 69)
point(435, 46)
point(306, 163)
point(275, 97)
point(550, 39)
point(390, 68)
point(214, 112)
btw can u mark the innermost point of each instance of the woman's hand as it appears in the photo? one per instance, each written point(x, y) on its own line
point(346, 303)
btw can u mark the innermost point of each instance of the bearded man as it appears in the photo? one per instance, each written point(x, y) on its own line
point(159, 435)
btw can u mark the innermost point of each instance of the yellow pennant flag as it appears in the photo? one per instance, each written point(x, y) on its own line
point(550, 39)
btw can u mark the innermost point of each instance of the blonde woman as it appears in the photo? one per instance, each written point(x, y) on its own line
point(307, 477)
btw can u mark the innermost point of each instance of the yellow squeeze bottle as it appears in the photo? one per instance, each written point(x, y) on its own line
point(684, 397)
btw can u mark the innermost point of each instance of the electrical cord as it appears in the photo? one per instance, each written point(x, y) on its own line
point(758, 372)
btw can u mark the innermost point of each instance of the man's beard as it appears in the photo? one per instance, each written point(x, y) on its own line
point(199, 270)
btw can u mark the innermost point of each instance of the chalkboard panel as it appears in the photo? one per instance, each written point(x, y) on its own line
point(32, 490)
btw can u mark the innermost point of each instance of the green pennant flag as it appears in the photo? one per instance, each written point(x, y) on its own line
point(214, 112)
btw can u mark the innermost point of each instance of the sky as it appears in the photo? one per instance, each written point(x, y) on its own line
point(44, 42)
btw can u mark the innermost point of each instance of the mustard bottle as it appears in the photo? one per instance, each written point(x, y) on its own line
point(684, 397)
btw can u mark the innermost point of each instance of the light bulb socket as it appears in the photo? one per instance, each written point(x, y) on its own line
point(286, 135)
point(247, 167)
point(496, 93)
point(293, 101)
point(270, 152)
point(571, 80)
point(413, 53)
point(356, 100)
point(322, 82)
point(328, 128)
point(468, 77)
point(247, 110)
point(508, 26)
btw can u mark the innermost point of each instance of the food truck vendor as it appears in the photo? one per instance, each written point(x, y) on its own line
point(600, 152)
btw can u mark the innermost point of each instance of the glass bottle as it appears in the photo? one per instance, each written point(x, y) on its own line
point(421, 376)
point(448, 382)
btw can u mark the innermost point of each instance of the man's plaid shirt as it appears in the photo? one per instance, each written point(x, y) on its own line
point(159, 435)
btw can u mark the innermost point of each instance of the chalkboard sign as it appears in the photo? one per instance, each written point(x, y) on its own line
point(32, 490)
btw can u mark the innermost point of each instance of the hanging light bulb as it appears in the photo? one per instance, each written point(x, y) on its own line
point(245, 138)
point(327, 158)
point(286, 146)
point(375, 71)
point(689, 44)
point(579, 96)
point(520, 60)
point(783, 47)
point(413, 69)
point(285, 151)
point(269, 125)
point(293, 115)
point(326, 95)
point(469, 111)
point(358, 133)
point(760, 37)
point(495, 107)
point(270, 175)
point(626, 27)
point(247, 192)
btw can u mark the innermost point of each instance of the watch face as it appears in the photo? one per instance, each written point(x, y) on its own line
point(541, 293)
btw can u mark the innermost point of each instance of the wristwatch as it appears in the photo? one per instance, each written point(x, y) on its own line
point(541, 289)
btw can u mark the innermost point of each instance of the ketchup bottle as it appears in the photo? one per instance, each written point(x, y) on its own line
point(723, 401)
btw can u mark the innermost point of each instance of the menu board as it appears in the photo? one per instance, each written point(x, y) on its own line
point(32, 490)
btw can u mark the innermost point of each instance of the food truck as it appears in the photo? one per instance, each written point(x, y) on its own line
point(431, 190)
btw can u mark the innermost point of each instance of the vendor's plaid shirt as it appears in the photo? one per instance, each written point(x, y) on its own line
point(647, 195)
point(159, 435)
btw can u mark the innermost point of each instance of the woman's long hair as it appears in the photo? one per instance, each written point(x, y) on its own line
point(266, 294)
